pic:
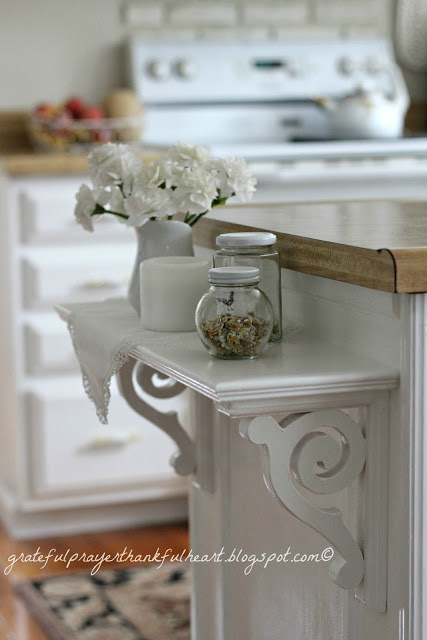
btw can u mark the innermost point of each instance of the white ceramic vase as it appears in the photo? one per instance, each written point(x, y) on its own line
point(158, 238)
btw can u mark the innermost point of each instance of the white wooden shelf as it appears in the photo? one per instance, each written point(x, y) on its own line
point(293, 370)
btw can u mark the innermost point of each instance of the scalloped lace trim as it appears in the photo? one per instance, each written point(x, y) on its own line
point(120, 358)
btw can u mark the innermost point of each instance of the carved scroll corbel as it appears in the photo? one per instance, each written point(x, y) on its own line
point(184, 460)
point(296, 453)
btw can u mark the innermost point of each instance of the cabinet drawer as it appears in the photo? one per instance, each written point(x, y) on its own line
point(70, 451)
point(75, 275)
point(47, 214)
point(48, 346)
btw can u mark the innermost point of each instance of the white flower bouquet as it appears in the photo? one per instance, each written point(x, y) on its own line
point(186, 179)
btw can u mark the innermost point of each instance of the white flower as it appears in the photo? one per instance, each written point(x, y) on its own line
point(196, 190)
point(185, 179)
point(188, 155)
point(112, 151)
point(151, 201)
point(85, 207)
point(113, 164)
point(234, 177)
point(172, 172)
point(102, 195)
point(103, 153)
point(150, 175)
point(117, 202)
point(111, 199)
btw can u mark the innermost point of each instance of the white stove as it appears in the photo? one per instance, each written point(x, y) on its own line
point(257, 100)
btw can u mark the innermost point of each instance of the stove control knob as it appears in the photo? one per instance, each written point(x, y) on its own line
point(158, 69)
point(185, 68)
point(346, 66)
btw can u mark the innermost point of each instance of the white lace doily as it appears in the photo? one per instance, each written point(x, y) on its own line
point(103, 333)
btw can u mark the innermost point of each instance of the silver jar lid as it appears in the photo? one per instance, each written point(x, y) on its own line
point(246, 239)
point(234, 275)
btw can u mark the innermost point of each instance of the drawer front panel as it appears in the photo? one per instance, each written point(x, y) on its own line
point(54, 220)
point(48, 347)
point(47, 214)
point(72, 451)
point(75, 276)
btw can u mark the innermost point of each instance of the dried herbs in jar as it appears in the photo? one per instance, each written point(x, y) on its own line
point(234, 319)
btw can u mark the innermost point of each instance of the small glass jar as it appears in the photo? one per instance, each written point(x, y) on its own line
point(255, 250)
point(234, 318)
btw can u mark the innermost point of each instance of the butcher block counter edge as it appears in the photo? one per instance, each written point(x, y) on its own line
point(395, 270)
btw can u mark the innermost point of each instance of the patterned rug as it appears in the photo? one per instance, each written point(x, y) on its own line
point(117, 604)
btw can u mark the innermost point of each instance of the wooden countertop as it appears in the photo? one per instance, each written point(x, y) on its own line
point(37, 164)
point(376, 244)
point(32, 163)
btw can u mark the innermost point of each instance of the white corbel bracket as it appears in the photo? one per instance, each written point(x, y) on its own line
point(297, 452)
point(184, 460)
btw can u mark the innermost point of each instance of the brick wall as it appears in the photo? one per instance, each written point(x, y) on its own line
point(257, 19)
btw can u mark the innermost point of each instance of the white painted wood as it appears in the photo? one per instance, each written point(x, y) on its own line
point(70, 455)
point(202, 420)
point(277, 602)
point(375, 489)
point(46, 485)
point(346, 315)
point(314, 376)
point(294, 370)
point(240, 512)
point(184, 460)
point(10, 448)
point(48, 349)
point(47, 215)
point(297, 453)
point(53, 274)
point(209, 524)
point(139, 509)
point(297, 370)
point(302, 375)
point(414, 416)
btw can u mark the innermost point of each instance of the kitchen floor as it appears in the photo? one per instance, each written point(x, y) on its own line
point(15, 621)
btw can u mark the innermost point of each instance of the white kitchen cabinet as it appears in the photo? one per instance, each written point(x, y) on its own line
point(60, 470)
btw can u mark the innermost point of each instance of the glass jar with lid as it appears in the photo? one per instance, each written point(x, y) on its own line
point(255, 250)
point(234, 318)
